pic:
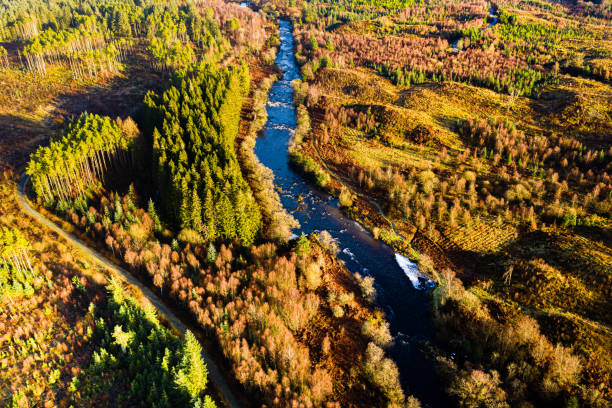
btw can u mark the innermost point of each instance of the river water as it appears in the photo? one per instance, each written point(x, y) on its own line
point(402, 291)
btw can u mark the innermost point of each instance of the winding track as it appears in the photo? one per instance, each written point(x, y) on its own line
point(214, 373)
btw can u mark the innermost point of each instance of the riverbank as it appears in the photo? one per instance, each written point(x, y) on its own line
point(406, 307)
point(442, 158)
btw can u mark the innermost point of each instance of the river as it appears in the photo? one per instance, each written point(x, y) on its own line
point(402, 291)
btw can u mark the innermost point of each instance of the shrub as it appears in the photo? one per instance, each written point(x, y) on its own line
point(518, 192)
point(366, 284)
point(321, 385)
point(565, 367)
point(346, 198)
point(413, 402)
point(310, 168)
point(302, 249)
point(328, 242)
point(477, 388)
point(346, 298)
point(383, 373)
point(190, 236)
point(378, 331)
point(570, 218)
point(469, 176)
point(337, 311)
point(312, 273)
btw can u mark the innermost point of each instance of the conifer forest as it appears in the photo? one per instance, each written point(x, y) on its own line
point(305, 203)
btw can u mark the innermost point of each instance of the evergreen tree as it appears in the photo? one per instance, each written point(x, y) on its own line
point(196, 211)
point(192, 374)
point(122, 24)
point(156, 223)
point(194, 125)
point(211, 254)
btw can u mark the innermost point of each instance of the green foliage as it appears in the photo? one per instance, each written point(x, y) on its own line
point(148, 361)
point(79, 158)
point(314, 44)
point(211, 254)
point(17, 276)
point(504, 17)
point(195, 123)
point(156, 222)
point(570, 218)
point(192, 374)
point(383, 372)
point(302, 248)
point(311, 168)
point(92, 36)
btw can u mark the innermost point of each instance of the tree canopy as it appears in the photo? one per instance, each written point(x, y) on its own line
point(194, 125)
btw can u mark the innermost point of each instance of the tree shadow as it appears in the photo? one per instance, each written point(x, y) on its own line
point(553, 250)
point(18, 137)
point(119, 96)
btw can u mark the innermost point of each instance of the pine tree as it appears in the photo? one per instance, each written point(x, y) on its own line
point(314, 44)
point(211, 254)
point(153, 214)
point(196, 211)
point(121, 24)
point(192, 374)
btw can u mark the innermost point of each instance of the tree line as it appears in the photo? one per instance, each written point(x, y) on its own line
point(414, 60)
point(193, 127)
point(79, 158)
point(93, 36)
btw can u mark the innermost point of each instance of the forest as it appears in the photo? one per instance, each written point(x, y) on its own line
point(189, 225)
point(132, 346)
point(69, 331)
point(17, 275)
point(472, 138)
point(195, 165)
point(253, 300)
point(483, 132)
point(80, 159)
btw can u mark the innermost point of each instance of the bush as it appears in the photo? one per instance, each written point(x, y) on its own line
point(518, 192)
point(190, 236)
point(366, 284)
point(328, 242)
point(477, 388)
point(413, 402)
point(302, 248)
point(313, 273)
point(310, 168)
point(383, 373)
point(378, 331)
point(321, 385)
point(346, 198)
point(469, 176)
point(337, 311)
point(570, 218)
point(346, 298)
